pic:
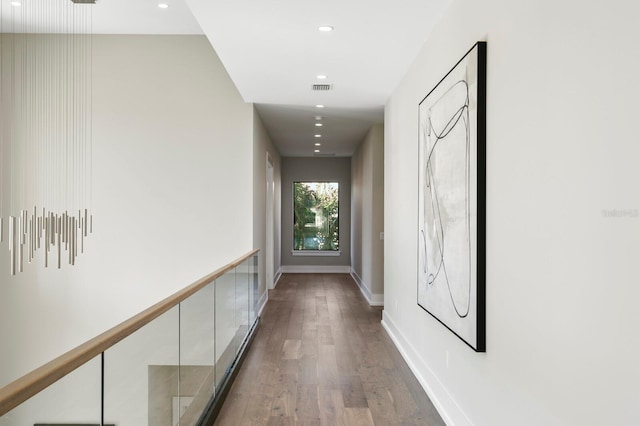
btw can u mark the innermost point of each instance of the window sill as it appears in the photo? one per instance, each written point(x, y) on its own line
point(321, 253)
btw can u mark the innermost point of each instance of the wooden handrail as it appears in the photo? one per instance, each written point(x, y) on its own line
point(18, 391)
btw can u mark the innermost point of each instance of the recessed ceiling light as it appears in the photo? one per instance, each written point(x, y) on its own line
point(317, 136)
point(325, 28)
point(317, 144)
point(163, 5)
point(318, 117)
point(318, 124)
point(319, 106)
point(316, 150)
point(16, 3)
point(321, 77)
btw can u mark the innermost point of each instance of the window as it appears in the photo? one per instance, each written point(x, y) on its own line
point(315, 217)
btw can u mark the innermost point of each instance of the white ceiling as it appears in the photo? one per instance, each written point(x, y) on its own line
point(108, 17)
point(143, 17)
point(273, 52)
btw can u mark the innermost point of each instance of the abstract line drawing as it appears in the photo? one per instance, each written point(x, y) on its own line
point(452, 199)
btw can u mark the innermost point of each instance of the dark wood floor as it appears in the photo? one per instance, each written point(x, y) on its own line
point(321, 357)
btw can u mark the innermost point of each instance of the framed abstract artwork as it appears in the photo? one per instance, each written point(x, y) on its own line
point(451, 228)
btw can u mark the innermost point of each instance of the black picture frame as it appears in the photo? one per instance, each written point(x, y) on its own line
point(452, 199)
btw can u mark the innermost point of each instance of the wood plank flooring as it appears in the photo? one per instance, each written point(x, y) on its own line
point(321, 357)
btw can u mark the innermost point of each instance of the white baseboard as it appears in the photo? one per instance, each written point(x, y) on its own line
point(277, 277)
point(449, 410)
point(315, 269)
point(262, 302)
point(374, 299)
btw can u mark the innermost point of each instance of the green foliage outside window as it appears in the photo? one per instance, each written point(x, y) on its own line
point(315, 216)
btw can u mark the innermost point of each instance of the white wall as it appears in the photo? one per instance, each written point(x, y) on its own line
point(172, 196)
point(562, 275)
point(262, 146)
point(367, 215)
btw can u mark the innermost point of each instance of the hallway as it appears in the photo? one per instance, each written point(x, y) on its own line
point(321, 357)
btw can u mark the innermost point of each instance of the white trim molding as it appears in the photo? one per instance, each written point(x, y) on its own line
point(449, 410)
point(277, 277)
point(320, 253)
point(262, 302)
point(374, 299)
point(315, 269)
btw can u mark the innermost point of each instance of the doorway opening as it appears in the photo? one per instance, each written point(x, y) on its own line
point(269, 215)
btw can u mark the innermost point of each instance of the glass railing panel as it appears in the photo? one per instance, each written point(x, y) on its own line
point(197, 356)
point(74, 399)
point(253, 289)
point(142, 375)
point(225, 324)
point(163, 374)
point(243, 275)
